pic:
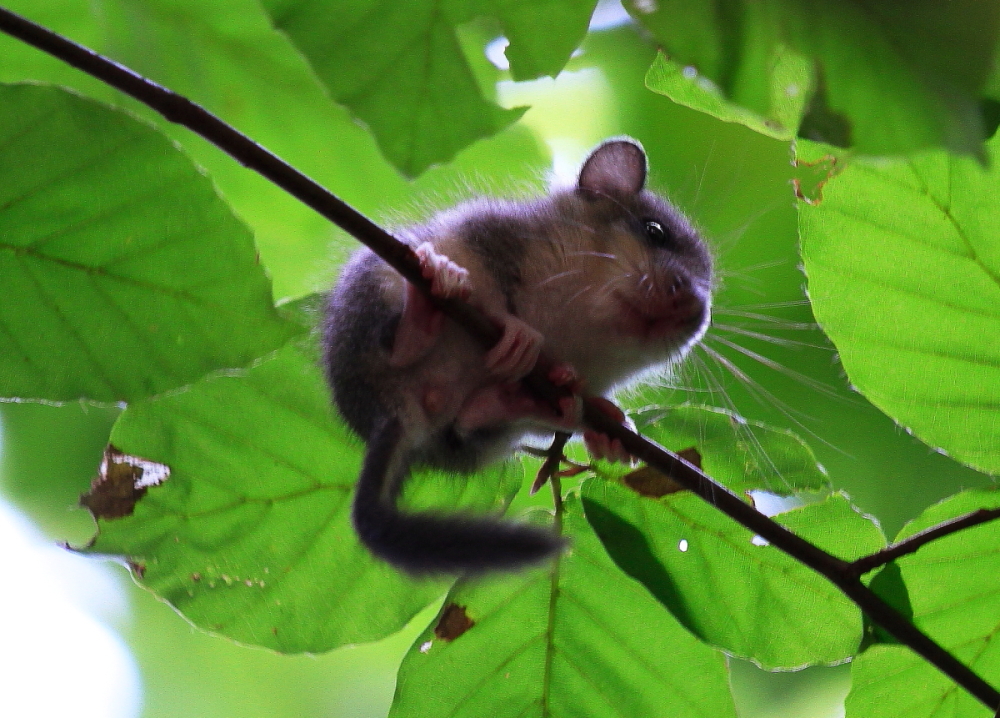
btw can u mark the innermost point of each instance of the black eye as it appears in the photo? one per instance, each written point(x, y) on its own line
point(657, 234)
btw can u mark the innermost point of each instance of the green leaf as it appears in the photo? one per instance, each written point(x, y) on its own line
point(578, 638)
point(250, 535)
point(400, 68)
point(790, 81)
point(889, 77)
point(894, 682)
point(727, 586)
point(542, 33)
point(904, 274)
point(764, 357)
point(124, 273)
point(745, 456)
point(888, 584)
point(954, 589)
point(227, 56)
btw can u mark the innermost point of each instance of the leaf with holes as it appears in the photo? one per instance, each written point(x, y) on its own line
point(790, 80)
point(401, 69)
point(576, 638)
point(250, 536)
point(954, 588)
point(124, 273)
point(728, 586)
point(903, 263)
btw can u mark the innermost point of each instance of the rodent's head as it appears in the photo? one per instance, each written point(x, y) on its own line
point(664, 295)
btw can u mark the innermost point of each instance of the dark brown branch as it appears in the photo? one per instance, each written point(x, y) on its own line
point(839, 572)
point(248, 153)
point(910, 545)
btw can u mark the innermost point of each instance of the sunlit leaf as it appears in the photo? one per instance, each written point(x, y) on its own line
point(728, 586)
point(954, 588)
point(250, 536)
point(894, 682)
point(743, 456)
point(124, 273)
point(889, 77)
point(903, 263)
point(764, 357)
point(227, 56)
point(790, 80)
point(578, 638)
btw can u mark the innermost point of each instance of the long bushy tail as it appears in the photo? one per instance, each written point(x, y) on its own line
point(422, 543)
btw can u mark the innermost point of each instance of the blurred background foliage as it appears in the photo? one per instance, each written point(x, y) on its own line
point(735, 183)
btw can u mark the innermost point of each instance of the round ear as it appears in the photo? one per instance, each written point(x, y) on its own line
point(615, 167)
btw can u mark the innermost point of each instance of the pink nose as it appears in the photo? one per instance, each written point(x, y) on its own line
point(674, 311)
point(683, 303)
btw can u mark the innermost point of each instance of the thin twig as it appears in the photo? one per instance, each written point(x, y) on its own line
point(557, 500)
point(553, 457)
point(909, 545)
point(180, 110)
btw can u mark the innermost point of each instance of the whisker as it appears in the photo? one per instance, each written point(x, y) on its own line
point(585, 289)
point(781, 368)
point(704, 173)
point(648, 283)
point(592, 254)
point(753, 387)
point(618, 260)
point(782, 323)
point(613, 280)
point(751, 268)
point(728, 240)
point(744, 276)
point(554, 277)
point(775, 305)
point(677, 381)
point(768, 338)
point(744, 429)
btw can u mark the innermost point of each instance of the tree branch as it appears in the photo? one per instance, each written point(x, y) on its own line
point(180, 110)
point(909, 545)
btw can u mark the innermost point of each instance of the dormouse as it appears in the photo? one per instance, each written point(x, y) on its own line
point(606, 277)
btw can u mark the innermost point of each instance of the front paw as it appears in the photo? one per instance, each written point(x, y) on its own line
point(516, 352)
point(602, 446)
point(448, 280)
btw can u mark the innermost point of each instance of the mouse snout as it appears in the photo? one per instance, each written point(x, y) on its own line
point(682, 302)
point(673, 308)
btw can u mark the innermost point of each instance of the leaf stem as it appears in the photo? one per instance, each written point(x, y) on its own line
point(182, 111)
point(554, 574)
point(557, 500)
point(909, 545)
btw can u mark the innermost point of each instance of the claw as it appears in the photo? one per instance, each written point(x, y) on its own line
point(448, 280)
point(516, 352)
point(563, 374)
point(602, 446)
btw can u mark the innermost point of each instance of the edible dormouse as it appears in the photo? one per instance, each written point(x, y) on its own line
point(607, 278)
